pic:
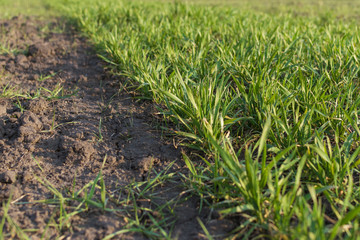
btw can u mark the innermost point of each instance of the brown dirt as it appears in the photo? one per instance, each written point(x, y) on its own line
point(57, 138)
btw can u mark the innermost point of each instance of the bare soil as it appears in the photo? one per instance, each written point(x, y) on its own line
point(66, 135)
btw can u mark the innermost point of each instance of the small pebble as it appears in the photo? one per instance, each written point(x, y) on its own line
point(2, 109)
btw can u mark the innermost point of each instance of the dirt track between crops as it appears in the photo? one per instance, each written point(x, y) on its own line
point(63, 136)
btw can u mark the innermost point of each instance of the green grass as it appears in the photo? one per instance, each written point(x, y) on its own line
point(269, 95)
point(270, 99)
point(40, 8)
point(58, 92)
point(341, 9)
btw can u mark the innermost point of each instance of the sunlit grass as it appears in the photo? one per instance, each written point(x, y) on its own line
point(267, 91)
point(40, 8)
point(270, 99)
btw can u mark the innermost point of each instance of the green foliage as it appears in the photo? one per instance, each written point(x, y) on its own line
point(287, 84)
point(40, 8)
point(270, 99)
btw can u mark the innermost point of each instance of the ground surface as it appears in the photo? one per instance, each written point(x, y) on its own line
point(61, 115)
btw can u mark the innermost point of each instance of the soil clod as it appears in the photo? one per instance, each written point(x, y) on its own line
point(8, 177)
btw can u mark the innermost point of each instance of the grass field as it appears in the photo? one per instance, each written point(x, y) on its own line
point(39, 8)
point(267, 97)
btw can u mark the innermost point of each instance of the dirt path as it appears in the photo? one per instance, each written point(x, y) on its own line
point(71, 116)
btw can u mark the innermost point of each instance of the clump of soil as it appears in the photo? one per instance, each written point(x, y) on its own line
point(69, 118)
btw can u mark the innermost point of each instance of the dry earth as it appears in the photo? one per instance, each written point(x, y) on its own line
point(65, 135)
